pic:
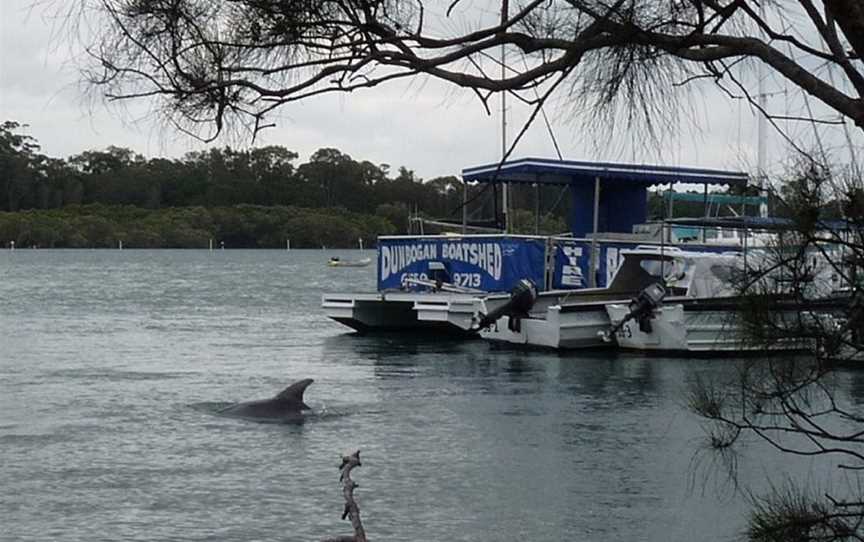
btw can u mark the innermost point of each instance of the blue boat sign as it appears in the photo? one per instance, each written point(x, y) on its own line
point(487, 263)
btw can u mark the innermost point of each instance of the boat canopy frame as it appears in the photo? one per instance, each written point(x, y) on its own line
point(606, 196)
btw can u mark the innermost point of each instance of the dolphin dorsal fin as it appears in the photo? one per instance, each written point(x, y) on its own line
point(294, 392)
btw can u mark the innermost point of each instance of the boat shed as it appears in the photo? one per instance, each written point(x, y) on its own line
point(606, 197)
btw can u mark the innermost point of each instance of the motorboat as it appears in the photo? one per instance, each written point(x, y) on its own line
point(660, 299)
point(570, 319)
point(336, 261)
point(704, 313)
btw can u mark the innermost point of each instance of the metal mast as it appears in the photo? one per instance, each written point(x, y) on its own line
point(762, 131)
point(505, 193)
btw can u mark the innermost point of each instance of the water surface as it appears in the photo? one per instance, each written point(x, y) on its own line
point(103, 352)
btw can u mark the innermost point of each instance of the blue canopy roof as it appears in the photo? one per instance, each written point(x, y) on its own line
point(546, 171)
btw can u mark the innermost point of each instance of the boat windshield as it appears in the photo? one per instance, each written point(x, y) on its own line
point(669, 270)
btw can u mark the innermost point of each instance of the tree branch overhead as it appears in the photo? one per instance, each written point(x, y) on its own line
point(211, 63)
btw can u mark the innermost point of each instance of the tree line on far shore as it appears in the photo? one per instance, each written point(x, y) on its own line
point(239, 226)
point(246, 198)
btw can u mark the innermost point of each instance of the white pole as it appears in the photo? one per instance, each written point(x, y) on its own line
point(762, 132)
point(464, 206)
point(211, 245)
point(11, 245)
point(287, 244)
point(592, 260)
point(505, 196)
point(119, 245)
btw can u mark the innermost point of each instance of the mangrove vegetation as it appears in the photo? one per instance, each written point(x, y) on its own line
point(255, 198)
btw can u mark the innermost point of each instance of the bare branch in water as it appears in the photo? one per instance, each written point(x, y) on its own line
point(351, 511)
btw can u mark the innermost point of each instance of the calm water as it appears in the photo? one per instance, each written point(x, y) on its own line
point(103, 352)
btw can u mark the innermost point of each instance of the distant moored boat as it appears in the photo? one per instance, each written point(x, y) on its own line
point(335, 261)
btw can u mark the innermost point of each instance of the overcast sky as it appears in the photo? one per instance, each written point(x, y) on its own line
point(427, 126)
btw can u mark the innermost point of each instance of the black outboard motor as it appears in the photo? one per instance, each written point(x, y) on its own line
point(439, 274)
point(641, 307)
point(522, 298)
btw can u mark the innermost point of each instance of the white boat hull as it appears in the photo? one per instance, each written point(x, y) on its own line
point(556, 328)
point(446, 312)
point(677, 328)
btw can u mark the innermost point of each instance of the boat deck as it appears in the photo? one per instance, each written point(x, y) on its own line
point(401, 310)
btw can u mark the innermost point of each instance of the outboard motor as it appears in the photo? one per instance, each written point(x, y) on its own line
point(522, 298)
point(641, 308)
point(439, 274)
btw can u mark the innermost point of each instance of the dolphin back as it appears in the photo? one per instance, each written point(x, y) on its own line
point(294, 393)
